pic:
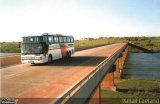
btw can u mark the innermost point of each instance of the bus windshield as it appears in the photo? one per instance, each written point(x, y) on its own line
point(32, 48)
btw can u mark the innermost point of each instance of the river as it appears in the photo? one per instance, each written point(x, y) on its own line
point(142, 65)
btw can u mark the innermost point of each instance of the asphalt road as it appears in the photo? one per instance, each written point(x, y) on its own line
point(52, 79)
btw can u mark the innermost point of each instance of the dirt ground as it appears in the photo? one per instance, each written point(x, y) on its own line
point(10, 60)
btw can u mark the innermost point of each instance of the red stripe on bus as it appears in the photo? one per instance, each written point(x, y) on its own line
point(63, 49)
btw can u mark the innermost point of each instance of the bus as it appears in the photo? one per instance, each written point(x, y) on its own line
point(46, 48)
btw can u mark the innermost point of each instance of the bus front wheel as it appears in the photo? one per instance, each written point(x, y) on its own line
point(50, 58)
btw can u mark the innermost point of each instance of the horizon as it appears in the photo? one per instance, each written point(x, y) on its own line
point(80, 18)
point(93, 38)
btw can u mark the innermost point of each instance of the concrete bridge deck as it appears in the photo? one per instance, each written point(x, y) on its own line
point(52, 79)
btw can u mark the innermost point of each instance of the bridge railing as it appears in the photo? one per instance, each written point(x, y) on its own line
point(81, 91)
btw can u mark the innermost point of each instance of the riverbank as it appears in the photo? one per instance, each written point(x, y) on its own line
point(132, 88)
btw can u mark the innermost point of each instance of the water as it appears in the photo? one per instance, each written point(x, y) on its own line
point(142, 65)
point(8, 54)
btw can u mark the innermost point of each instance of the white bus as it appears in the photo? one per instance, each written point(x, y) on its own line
point(45, 48)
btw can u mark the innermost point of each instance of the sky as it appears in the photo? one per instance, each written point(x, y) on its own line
point(80, 18)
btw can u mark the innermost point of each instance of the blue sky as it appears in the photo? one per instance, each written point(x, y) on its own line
point(81, 18)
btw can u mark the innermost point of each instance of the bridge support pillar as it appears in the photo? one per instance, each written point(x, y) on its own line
point(124, 55)
point(108, 81)
point(120, 63)
point(119, 66)
point(96, 97)
point(117, 72)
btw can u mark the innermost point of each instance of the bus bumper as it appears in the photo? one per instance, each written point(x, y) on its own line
point(32, 61)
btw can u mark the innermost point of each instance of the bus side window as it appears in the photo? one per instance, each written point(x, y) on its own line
point(31, 39)
point(36, 39)
point(55, 39)
point(60, 39)
point(68, 40)
point(72, 39)
point(64, 39)
point(50, 39)
point(45, 39)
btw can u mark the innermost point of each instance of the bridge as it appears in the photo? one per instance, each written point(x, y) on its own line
point(78, 79)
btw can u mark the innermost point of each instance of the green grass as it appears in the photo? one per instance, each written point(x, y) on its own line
point(134, 88)
point(151, 43)
point(131, 88)
point(9, 47)
point(90, 43)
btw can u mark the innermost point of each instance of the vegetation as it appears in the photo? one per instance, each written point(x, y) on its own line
point(151, 43)
point(9, 47)
point(91, 42)
point(132, 88)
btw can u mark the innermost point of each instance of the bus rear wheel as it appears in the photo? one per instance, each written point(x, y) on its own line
point(68, 55)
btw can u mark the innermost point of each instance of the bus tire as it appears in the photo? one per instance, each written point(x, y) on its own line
point(67, 54)
point(70, 54)
point(49, 58)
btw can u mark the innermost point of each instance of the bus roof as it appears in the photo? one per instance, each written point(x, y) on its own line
point(49, 34)
point(54, 34)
